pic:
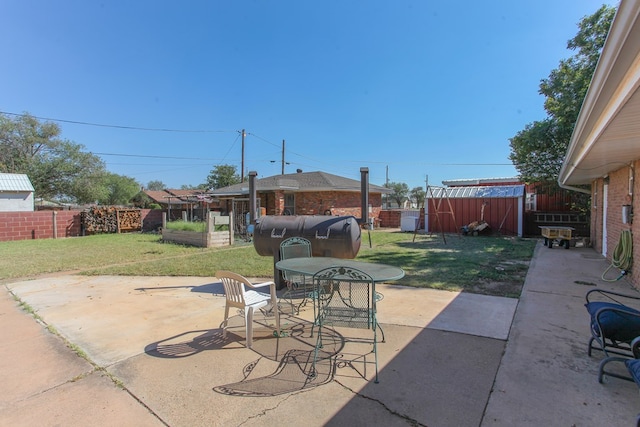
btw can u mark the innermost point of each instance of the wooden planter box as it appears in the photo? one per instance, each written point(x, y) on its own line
point(207, 239)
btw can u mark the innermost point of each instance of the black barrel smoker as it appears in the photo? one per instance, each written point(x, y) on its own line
point(330, 236)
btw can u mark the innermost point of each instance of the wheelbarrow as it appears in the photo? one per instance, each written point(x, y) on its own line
point(560, 234)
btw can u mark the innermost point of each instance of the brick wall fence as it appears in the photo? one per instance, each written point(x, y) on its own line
point(40, 224)
point(390, 218)
point(56, 224)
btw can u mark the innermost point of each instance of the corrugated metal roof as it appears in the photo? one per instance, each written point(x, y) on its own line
point(481, 192)
point(481, 181)
point(15, 182)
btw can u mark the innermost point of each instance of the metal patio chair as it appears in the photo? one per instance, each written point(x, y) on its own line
point(346, 297)
point(298, 285)
point(614, 325)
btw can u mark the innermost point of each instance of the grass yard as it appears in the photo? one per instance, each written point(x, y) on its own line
point(485, 265)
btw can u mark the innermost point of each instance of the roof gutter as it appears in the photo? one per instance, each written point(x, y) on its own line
point(572, 188)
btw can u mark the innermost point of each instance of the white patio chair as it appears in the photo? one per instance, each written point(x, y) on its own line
point(237, 295)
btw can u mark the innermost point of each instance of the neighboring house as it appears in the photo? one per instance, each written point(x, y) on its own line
point(604, 151)
point(307, 193)
point(16, 193)
point(194, 203)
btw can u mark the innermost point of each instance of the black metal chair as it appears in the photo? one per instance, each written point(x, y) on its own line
point(346, 297)
point(297, 287)
point(633, 366)
point(614, 325)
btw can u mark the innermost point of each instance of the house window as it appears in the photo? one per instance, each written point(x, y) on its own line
point(289, 204)
point(530, 203)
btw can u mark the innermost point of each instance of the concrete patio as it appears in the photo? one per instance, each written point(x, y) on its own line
point(155, 356)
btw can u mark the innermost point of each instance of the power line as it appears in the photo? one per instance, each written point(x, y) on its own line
point(118, 126)
point(154, 157)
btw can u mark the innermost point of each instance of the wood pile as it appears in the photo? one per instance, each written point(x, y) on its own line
point(129, 220)
point(109, 219)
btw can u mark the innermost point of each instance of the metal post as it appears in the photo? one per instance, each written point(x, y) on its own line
point(252, 197)
point(282, 157)
point(242, 163)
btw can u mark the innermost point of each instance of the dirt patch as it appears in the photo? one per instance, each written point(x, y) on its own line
point(512, 275)
point(500, 289)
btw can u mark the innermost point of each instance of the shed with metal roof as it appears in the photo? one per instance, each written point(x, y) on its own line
point(16, 193)
point(501, 206)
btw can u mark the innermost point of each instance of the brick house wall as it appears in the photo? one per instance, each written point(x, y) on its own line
point(619, 183)
point(40, 224)
point(316, 203)
point(596, 214)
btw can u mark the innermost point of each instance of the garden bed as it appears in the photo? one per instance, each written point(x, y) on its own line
point(204, 239)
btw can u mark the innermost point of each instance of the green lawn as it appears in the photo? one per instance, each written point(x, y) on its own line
point(487, 265)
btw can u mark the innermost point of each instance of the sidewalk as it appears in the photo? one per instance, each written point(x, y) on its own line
point(449, 359)
point(546, 377)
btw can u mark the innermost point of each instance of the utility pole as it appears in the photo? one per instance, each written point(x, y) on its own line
point(282, 157)
point(242, 164)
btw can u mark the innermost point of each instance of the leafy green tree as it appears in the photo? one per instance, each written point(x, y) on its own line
point(417, 194)
point(23, 139)
point(57, 168)
point(538, 150)
point(141, 200)
point(202, 187)
point(223, 176)
point(156, 185)
point(400, 191)
point(118, 189)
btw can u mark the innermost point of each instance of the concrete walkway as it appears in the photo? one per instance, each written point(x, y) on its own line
point(155, 356)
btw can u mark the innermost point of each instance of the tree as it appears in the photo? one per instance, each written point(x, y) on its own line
point(156, 186)
point(400, 191)
point(417, 194)
point(538, 150)
point(119, 189)
point(194, 187)
point(141, 200)
point(222, 176)
point(57, 168)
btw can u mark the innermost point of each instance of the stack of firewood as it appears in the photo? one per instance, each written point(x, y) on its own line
point(109, 219)
point(129, 219)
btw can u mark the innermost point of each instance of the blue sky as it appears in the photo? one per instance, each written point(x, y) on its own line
point(409, 89)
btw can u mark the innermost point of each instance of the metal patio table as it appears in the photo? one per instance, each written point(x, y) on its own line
point(310, 266)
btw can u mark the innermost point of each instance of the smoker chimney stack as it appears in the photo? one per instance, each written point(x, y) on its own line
point(364, 194)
